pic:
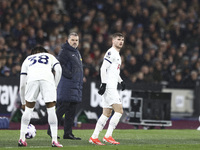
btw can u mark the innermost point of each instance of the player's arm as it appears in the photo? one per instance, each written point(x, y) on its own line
point(23, 78)
point(58, 71)
point(106, 64)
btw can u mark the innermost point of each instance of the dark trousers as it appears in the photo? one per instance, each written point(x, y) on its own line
point(69, 109)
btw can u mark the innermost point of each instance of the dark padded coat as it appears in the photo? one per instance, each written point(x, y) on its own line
point(70, 86)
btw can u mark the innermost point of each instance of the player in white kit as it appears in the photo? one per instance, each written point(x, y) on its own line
point(37, 77)
point(110, 77)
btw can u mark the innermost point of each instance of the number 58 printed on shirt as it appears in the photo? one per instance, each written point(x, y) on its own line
point(40, 59)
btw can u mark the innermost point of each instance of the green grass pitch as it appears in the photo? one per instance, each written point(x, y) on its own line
point(155, 139)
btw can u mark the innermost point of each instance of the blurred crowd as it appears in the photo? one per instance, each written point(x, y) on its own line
point(161, 36)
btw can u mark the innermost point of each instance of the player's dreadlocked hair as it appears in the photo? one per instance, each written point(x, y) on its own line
point(38, 49)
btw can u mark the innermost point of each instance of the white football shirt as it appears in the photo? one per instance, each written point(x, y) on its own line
point(39, 67)
point(110, 69)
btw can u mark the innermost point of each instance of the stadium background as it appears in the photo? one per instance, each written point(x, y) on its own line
point(161, 41)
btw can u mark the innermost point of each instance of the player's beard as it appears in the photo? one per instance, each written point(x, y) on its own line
point(74, 45)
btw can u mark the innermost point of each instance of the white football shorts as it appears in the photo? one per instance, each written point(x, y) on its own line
point(110, 97)
point(47, 90)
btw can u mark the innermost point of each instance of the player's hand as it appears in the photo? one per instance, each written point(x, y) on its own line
point(102, 89)
point(23, 107)
point(123, 85)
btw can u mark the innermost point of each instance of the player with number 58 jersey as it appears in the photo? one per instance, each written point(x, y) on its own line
point(39, 67)
point(40, 74)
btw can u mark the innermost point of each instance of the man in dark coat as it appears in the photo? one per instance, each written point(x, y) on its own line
point(69, 90)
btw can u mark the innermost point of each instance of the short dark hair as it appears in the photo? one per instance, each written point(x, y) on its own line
point(117, 35)
point(38, 49)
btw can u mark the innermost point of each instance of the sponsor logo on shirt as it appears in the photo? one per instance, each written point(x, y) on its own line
point(108, 55)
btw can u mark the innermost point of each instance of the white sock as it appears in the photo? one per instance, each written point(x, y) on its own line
point(53, 122)
point(113, 123)
point(26, 117)
point(99, 126)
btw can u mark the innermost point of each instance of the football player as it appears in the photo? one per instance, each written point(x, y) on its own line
point(37, 77)
point(110, 77)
